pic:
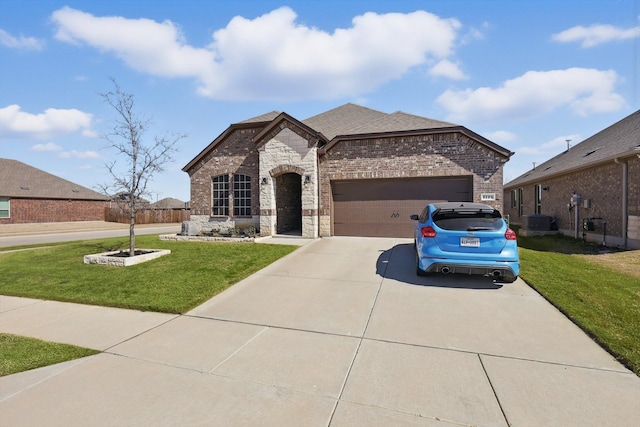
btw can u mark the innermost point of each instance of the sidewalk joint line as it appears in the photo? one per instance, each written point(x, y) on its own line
point(493, 390)
point(266, 328)
point(177, 316)
point(361, 339)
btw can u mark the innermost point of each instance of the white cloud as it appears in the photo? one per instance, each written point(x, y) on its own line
point(50, 146)
point(585, 91)
point(272, 56)
point(446, 68)
point(554, 146)
point(73, 154)
point(475, 33)
point(20, 42)
point(501, 136)
point(596, 34)
point(52, 123)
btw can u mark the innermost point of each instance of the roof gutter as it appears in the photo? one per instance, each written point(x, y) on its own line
point(625, 198)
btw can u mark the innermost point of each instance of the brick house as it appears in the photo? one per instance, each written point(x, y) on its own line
point(604, 170)
point(28, 194)
point(348, 171)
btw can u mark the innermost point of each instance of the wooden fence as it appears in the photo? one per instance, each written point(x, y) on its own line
point(147, 216)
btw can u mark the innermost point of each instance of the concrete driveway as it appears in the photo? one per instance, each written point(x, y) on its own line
point(340, 333)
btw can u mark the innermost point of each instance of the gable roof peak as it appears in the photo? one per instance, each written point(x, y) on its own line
point(266, 117)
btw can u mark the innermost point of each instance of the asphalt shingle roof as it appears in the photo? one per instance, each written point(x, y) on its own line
point(352, 119)
point(267, 117)
point(620, 139)
point(168, 203)
point(20, 180)
point(399, 121)
point(343, 120)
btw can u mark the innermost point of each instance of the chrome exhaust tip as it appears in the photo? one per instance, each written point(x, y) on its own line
point(445, 270)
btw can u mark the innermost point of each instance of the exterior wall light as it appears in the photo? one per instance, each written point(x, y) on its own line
point(264, 180)
point(307, 179)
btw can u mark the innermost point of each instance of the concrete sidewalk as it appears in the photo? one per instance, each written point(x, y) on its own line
point(342, 333)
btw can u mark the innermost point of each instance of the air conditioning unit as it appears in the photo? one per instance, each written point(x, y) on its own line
point(536, 222)
point(190, 228)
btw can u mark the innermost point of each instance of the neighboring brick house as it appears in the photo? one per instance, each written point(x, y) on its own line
point(31, 195)
point(348, 171)
point(604, 170)
point(169, 203)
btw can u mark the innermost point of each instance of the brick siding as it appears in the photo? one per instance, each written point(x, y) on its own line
point(601, 184)
point(236, 154)
point(25, 211)
point(440, 155)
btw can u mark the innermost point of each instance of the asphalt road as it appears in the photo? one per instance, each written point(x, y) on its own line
point(13, 237)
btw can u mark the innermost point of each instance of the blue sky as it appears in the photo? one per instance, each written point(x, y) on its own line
point(527, 75)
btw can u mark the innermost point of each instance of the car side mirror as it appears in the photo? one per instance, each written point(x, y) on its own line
point(414, 217)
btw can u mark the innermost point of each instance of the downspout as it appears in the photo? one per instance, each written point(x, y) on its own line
point(317, 191)
point(625, 198)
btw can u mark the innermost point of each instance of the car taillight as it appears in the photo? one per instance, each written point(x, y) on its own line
point(428, 232)
point(510, 234)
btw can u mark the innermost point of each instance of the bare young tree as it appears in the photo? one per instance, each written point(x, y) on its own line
point(141, 160)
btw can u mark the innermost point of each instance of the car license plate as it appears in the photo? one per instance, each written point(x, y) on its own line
point(473, 242)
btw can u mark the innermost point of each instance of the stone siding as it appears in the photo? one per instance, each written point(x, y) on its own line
point(439, 155)
point(287, 151)
point(23, 211)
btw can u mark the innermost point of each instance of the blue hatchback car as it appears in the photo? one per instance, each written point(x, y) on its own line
point(467, 238)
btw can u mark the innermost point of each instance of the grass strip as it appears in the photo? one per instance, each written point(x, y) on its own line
point(601, 299)
point(18, 354)
point(193, 273)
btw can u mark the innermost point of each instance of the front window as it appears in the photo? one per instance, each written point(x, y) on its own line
point(220, 196)
point(4, 208)
point(538, 198)
point(520, 201)
point(241, 195)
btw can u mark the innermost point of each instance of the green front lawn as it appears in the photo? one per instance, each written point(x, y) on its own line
point(193, 273)
point(18, 354)
point(599, 292)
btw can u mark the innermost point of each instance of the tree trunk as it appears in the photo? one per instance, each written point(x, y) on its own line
point(132, 235)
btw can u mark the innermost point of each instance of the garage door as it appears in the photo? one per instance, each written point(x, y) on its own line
point(381, 208)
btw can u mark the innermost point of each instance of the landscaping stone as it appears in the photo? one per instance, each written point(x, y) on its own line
point(181, 238)
point(114, 258)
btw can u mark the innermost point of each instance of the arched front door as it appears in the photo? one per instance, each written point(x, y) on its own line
point(289, 204)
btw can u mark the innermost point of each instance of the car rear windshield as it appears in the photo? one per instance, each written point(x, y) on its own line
point(468, 220)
